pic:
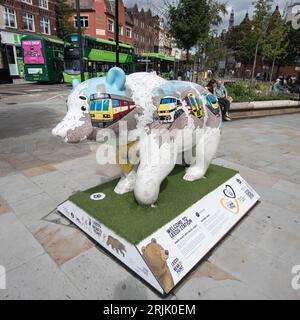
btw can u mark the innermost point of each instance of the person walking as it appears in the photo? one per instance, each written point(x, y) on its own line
point(171, 74)
point(224, 101)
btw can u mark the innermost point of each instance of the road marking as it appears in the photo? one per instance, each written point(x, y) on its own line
point(58, 95)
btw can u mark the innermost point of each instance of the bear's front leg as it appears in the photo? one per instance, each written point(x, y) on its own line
point(126, 183)
point(206, 149)
point(157, 160)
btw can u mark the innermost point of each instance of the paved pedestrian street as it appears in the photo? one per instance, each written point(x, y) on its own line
point(46, 257)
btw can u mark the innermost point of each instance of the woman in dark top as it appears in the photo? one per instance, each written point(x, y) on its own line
point(211, 85)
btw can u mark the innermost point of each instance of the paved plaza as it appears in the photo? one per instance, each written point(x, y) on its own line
point(46, 257)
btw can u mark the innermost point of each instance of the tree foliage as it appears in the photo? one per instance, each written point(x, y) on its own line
point(190, 20)
point(261, 18)
point(276, 43)
point(242, 41)
point(293, 49)
point(63, 11)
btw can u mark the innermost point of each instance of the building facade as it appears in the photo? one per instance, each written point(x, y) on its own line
point(97, 19)
point(145, 30)
point(165, 42)
point(25, 17)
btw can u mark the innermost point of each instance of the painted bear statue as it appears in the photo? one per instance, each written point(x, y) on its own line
point(167, 123)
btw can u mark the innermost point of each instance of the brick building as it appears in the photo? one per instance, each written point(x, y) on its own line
point(145, 30)
point(97, 18)
point(25, 17)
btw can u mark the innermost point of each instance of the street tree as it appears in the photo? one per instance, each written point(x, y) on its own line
point(242, 40)
point(190, 21)
point(293, 49)
point(260, 25)
point(63, 11)
point(276, 43)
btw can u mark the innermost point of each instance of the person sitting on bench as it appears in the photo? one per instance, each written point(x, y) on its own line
point(224, 101)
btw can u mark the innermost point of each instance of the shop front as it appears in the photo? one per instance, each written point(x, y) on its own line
point(12, 43)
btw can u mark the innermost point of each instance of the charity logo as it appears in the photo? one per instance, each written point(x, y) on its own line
point(296, 17)
point(229, 192)
point(97, 196)
point(230, 203)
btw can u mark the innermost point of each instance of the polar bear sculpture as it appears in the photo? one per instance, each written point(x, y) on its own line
point(190, 136)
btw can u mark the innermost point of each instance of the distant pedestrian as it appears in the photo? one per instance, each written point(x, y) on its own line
point(179, 76)
point(278, 86)
point(171, 74)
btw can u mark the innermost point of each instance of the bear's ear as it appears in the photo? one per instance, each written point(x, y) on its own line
point(75, 83)
point(153, 240)
point(116, 77)
point(143, 249)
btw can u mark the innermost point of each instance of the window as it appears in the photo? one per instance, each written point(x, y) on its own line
point(84, 21)
point(27, 1)
point(128, 32)
point(92, 105)
point(110, 25)
point(45, 25)
point(10, 18)
point(99, 105)
point(105, 105)
point(115, 103)
point(28, 21)
point(120, 30)
point(43, 4)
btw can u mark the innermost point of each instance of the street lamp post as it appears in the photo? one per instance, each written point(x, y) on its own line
point(79, 40)
point(117, 32)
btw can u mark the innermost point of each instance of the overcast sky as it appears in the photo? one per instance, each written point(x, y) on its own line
point(240, 7)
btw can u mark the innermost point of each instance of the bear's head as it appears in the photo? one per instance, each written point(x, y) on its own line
point(76, 125)
point(156, 256)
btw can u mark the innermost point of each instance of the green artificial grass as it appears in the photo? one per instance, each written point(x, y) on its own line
point(122, 214)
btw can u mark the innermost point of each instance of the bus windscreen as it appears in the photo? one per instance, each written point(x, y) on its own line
point(32, 50)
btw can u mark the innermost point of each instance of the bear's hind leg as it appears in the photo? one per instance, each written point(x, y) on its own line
point(205, 152)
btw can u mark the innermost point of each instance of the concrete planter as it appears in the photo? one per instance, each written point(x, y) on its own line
point(263, 108)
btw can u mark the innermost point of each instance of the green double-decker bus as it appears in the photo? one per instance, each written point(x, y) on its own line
point(160, 63)
point(98, 55)
point(43, 59)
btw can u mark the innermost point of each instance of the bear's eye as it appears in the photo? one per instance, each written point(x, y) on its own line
point(83, 108)
point(82, 97)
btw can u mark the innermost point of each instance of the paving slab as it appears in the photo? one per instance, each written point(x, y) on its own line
point(98, 276)
point(256, 268)
point(39, 279)
point(17, 187)
point(62, 243)
point(33, 209)
point(17, 245)
point(57, 185)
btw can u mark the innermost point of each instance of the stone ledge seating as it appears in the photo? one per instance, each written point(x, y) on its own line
point(241, 110)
